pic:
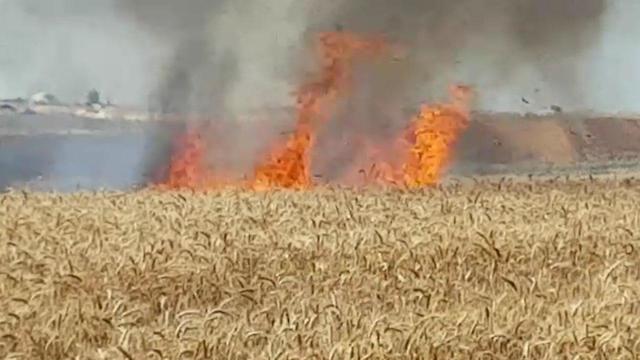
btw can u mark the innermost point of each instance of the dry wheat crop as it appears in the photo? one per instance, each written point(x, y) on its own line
point(505, 270)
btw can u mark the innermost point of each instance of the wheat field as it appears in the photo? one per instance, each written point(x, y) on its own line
point(509, 270)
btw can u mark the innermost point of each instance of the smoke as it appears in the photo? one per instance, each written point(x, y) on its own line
point(229, 57)
point(230, 61)
point(496, 44)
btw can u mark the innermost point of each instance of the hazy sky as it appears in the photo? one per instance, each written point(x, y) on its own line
point(68, 47)
point(44, 46)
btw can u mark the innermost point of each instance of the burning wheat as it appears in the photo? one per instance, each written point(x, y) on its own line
point(435, 131)
point(509, 270)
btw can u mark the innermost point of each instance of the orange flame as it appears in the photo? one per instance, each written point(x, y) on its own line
point(436, 131)
point(289, 167)
point(421, 155)
point(425, 149)
point(187, 169)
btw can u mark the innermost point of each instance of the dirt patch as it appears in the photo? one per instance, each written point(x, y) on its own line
point(539, 141)
point(613, 139)
point(481, 144)
point(499, 141)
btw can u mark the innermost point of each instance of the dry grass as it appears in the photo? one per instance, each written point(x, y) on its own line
point(507, 271)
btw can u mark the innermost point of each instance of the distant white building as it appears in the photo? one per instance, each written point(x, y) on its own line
point(43, 98)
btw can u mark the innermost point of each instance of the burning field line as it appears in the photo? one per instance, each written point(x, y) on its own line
point(421, 154)
point(514, 270)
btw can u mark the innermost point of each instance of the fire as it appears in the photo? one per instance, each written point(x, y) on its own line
point(436, 131)
point(420, 156)
point(425, 149)
point(188, 168)
point(289, 167)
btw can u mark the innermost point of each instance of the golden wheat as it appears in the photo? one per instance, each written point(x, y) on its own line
point(492, 270)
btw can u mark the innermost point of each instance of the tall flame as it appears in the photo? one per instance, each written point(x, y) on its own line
point(420, 156)
point(425, 149)
point(436, 131)
point(187, 169)
point(289, 166)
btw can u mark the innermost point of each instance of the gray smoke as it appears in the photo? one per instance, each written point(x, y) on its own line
point(232, 57)
point(193, 71)
point(229, 57)
point(495, 46)
point(490, 43)
point(229, 61)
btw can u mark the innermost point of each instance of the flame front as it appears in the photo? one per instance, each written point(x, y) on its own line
point(187, 169)
point(436, 131)
point(289, 166)
point(422, 155)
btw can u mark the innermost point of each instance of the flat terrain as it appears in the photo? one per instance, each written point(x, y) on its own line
point(506, 270)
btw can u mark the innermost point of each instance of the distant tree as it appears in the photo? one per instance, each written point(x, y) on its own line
point(93, 97)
